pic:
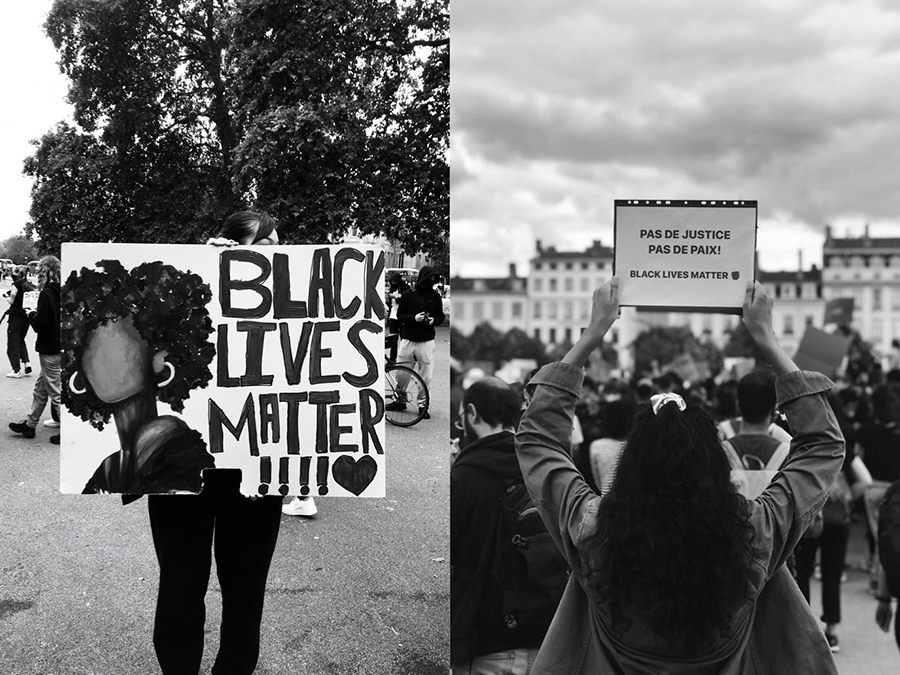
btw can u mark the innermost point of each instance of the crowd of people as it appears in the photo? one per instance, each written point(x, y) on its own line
point(690, 516)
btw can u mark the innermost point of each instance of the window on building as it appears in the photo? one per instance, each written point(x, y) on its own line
point(585, 309)
point(538, 285)
point(497, 310)
point(552, 266)
point(567, 284)
point(551, 310)
point(876, 300)
point(585, 285)
point(537, 265)
point(552, 285)
point(787, 291)
point(601, 266)
point(517, 310)
point(877, 329)
point(568, 265)
point(788, 325)
point(615, 337)
point(895, 298)
point(568, 336)
point(584, 265)
point(536, 309)
point(459, 310)
point(552, 335)
point(567, 310)
point(478, 310)
point(809, 319)
point(537, 334)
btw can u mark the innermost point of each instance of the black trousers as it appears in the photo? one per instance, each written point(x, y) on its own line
point(15, 341)
point(186, 529)
point(833, 543)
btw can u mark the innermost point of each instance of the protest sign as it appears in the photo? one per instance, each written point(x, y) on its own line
point(684, 255)
point(822, 352)
point(839, 311)
point(30, 300)
point(178, 359)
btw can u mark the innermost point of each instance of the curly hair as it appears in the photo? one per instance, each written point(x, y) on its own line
point(48, 271)
point(678, 550)
point(168, 308)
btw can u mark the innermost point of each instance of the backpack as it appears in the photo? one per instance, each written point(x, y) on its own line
point(889, 537)
point(748, 472)
point(529, 569)
point(839, 504)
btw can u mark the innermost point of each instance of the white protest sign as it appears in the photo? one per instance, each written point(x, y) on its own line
point(181, 358)
point(30, 300)
point(684, 254)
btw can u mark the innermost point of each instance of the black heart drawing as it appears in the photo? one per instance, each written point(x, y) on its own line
point(353, 475)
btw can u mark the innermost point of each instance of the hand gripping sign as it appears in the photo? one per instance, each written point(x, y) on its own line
point(180, 359)
point(685, 255)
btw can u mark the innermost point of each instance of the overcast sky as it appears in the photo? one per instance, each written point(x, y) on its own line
point(559, 107)
point(33, 102)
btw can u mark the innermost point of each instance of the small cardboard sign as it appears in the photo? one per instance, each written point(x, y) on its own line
point(685, 255)
point(839, 311)
point(821, 352)
point(30, 301)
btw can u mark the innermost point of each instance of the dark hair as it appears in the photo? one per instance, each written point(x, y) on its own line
point(676, 548)
point(168, 307)
point(495, 401)
point(619, 417)
point(756, 395)
point(248, 227)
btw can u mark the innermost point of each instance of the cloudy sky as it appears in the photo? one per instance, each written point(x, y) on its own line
point(559, 107)
point(33, 102)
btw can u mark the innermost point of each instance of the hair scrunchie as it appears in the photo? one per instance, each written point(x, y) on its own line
point(659, 400)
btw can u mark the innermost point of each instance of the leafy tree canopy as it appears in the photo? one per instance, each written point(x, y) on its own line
point(328, 115)
point(19, 249)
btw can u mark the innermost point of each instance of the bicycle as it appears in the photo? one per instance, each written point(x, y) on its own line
point(404, 392)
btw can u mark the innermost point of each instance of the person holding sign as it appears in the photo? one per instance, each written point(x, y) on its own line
point(674, 570)
point(241, 530)
point(18, 324)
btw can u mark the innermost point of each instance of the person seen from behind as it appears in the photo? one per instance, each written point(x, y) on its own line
point(674, 571)
point(45, 321)
point(483, 641)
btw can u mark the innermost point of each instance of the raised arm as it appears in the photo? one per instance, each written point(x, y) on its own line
point(562, 495)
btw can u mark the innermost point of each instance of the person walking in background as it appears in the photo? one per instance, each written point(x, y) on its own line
point(45, 321)
point(851, 484)
point(397, 286)
point(419, 310)
point(674, 571)
point(17, 326)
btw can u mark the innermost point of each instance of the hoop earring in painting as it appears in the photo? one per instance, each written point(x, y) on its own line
point(72, 387)
point(170, 377)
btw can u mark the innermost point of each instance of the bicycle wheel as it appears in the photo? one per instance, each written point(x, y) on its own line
point(404, 393)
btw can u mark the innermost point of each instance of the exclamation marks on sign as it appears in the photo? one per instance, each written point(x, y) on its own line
point(322, 475)
point(283, 475)
point(265, 475)
point(304, 475)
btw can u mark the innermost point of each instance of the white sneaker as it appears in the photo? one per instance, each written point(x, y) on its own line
point(53, 424)
point(16, 373)
point(300, 506)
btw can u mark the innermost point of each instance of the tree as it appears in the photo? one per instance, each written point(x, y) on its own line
point(328, 115)
point(517, 344)
point(486, 344)
point(666, 344)
point(18, 248)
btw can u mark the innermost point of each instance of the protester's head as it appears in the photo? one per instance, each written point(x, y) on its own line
point(489, 406)
point(756, 396)
point(394, 279)
point(678, 548)
point(619, 417)
point(428, 277)
point(48, 271)
point(250, 227)
point(886, 404)
point(20, 272)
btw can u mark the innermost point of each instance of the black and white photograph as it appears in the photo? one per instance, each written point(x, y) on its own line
point(226, 442)
point(675, 337)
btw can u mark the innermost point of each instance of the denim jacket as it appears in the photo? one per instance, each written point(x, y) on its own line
point(774, 631)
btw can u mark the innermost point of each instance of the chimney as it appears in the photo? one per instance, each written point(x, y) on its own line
point(827, 232)
point(540, 249)
point(800, 260)
point(512, 270)
point(866, 235)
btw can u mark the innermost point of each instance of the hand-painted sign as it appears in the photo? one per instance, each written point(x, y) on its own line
point(179, 359)
point(30, 300)
point(683, 254)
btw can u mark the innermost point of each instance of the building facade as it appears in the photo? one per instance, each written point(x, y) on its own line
point(552, 303)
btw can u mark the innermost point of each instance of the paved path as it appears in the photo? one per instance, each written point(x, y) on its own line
point(362, 588)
